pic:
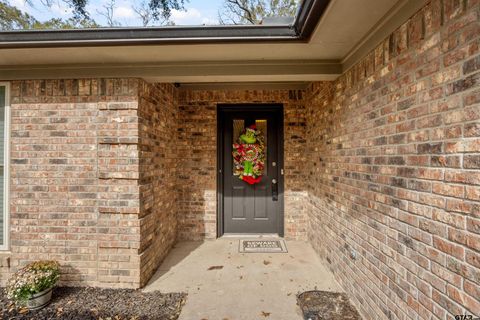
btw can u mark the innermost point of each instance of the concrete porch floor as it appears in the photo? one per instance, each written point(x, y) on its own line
point(248, 286)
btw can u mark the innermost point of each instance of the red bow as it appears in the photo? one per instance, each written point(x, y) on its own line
point(251, 180)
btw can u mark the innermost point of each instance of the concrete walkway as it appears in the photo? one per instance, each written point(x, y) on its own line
point(247, 286)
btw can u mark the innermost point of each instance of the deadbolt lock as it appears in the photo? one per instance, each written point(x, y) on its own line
point(274, 190)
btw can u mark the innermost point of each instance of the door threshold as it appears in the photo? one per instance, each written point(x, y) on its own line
point(250, 235)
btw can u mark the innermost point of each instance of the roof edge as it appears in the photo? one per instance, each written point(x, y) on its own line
point(308, 16)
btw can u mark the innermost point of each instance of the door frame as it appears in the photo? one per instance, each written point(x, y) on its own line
point(276, 108)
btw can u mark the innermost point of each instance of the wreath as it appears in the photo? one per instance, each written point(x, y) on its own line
point(249, 155)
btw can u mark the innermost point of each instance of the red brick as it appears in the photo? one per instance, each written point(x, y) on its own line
point(457, 205)
point(473, 241)
point(472, 129)
point(449, 305)
point(433, 16)
point(448, 189)
point(462, 298)
point(449, 248)
point(456, 220)
point(473, 258)
point(462, 177)
point(473, 225)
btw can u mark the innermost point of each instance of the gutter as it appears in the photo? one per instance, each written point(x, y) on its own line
point(308, 16)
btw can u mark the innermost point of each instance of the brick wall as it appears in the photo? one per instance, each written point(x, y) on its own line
point(103, 171)
point(116, 228)
point(158, 174)
point(197, 152)
point(85, 175)
point(393, 169)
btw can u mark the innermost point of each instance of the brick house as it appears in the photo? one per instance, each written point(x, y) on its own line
point(116, 148)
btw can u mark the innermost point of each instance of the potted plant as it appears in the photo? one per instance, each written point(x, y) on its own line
point(32, 285)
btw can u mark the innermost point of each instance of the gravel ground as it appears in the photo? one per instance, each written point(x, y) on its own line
point(105, 304)
point(323, 305)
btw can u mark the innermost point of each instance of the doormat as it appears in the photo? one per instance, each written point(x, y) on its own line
point(319, 305)
point(262, 246)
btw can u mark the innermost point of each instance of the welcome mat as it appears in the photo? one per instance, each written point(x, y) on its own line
point(262, 246)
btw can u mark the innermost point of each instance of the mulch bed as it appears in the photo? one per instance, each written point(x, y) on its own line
point(96, 303)
point(324, 305)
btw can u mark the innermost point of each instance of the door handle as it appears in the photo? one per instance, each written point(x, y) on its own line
point(274, 190)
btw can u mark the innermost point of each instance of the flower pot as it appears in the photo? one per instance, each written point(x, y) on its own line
point(39, 300)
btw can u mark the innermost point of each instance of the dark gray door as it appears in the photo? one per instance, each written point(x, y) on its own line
point(254, 208)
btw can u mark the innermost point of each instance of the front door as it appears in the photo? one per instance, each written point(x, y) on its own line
point(251, 208)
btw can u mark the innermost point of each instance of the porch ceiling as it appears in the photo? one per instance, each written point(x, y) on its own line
point(346, 31)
